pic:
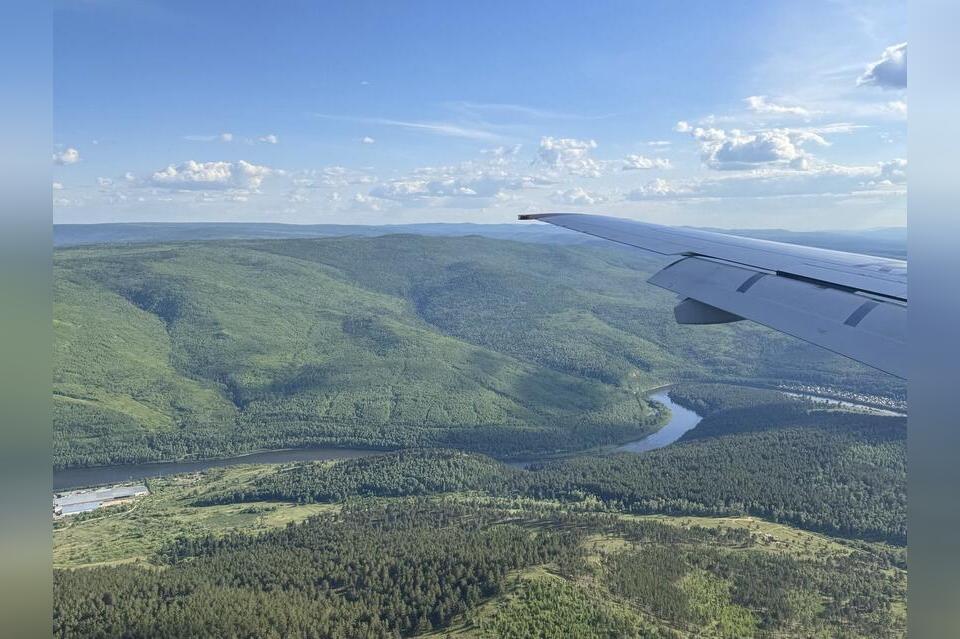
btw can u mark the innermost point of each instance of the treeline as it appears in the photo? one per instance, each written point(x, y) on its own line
point(707, 399)
point(834, 472)
point(408, 566)
point(107, 440)
point(399, 474)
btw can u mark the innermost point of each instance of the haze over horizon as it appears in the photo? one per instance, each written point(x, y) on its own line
point(174, 112)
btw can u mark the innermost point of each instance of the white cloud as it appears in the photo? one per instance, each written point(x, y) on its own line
point(332, 177)
point(830, 180)
point(635, 162)
point(890, 71)
point(570, 155)
point(297, 197)
point(450, 129)
point(682, 127)
point(898, 106)
point(892, 173)
point(470, 184)
point(129, 177)
point(222, 137)
point(737, 150)
point(104, 182)
point(57, 186)
point(367, 140)
point(270, 138)
point(361, 202)
point(658, 189)
point(760, 104)
point(211, 175)
point(578, 196)
point(68, 156)
point(659, 143)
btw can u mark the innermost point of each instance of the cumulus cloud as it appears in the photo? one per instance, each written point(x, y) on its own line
point(449, 189)
point(682, 127)
point(578, 196)
point(297, 196)
point(636, 162)
point(361, 202)
point(892, 173)
point(819, 180)
point(470, 184)
point(737, 150)
point(104, 182)
point(569, 155)
point(760, 104)
point(192, 175)
point(658, 189)
point(897, 106)
point(367, 140)
point(68, 156)
point(890, 71)
point(270, 138)
point(332, 177)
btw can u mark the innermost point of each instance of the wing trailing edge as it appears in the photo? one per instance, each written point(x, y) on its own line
point(854, 305)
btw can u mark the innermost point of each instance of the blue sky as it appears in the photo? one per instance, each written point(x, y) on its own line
point(744, 114)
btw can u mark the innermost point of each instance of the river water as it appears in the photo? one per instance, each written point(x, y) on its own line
point(100, 475)
point(681, 420)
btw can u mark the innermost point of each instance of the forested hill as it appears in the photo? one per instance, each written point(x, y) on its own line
point(214, 348)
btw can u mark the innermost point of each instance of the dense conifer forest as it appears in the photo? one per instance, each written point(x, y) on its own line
point(413, 566)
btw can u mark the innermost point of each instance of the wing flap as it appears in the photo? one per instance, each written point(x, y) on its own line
point(868, 329)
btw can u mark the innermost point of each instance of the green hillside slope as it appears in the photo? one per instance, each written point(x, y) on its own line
point(167, 351)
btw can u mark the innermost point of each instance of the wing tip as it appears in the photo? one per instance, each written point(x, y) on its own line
point(538, 216)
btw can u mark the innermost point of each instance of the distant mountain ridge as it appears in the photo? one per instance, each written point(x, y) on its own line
point(887, 242)
point(143, 232)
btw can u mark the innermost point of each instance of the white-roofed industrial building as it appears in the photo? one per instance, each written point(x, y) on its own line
point(75, 502)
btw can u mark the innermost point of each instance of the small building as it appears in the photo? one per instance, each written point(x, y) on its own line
point(81, 501)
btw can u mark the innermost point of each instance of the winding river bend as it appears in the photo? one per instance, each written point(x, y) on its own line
point(681, 420)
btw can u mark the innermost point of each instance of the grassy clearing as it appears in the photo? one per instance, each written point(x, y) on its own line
point(134, 535)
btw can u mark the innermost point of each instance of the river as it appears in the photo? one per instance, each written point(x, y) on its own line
point(681, 420)
point(70, 478)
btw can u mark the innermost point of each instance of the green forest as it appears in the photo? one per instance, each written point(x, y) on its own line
point(457, 358)
point(424, 566)
point(217, 348)
point(439, 542)
point(831, 471)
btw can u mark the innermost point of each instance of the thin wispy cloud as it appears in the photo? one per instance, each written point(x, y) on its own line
point(449, 129)
point(220, 137)
point(517, 110)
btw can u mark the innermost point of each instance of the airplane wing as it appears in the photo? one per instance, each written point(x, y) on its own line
point(854, 305)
